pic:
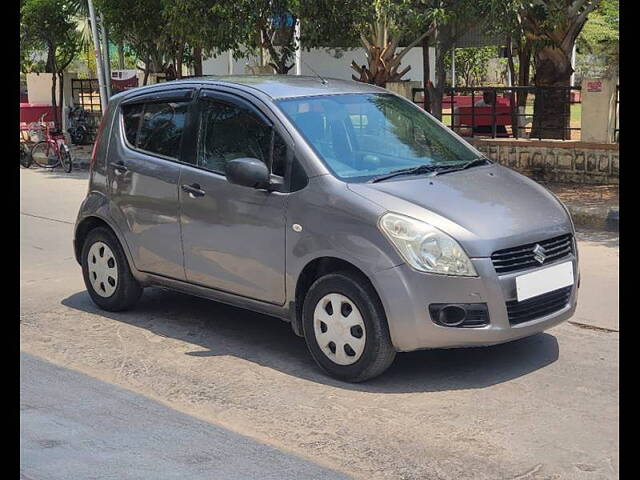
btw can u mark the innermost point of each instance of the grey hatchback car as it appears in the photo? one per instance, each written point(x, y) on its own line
point(337, 206)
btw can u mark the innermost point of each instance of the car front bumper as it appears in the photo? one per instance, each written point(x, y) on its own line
point(406, 295)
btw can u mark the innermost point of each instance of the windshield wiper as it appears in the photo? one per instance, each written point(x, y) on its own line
point(473, 163)
point(405, 171)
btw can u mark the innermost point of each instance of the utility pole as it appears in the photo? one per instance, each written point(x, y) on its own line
point(106, 58)
point(96, 50)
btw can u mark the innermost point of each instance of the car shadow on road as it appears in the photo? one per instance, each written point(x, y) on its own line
point(225, 330)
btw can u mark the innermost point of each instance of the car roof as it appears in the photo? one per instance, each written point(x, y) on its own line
point(280, 86)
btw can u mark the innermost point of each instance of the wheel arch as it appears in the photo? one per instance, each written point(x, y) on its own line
point(315, 269)
point(91, 222)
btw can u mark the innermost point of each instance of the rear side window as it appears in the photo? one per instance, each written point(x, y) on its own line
point(156, 127)
point(131, 115)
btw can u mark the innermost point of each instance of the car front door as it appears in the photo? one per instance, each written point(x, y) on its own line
point(233, 236)
point(144, 171)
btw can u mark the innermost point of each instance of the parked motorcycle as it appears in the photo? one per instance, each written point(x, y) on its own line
point(79, 126)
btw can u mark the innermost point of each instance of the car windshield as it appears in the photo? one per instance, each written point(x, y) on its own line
point(363, 136)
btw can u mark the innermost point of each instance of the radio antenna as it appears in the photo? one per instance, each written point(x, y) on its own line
point(322, 80)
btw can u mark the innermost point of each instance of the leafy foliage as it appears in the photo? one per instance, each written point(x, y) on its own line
point(471, 64)
point(598, 44)
point(49, 26)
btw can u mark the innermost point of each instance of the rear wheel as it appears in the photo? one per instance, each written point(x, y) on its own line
point(106, 272)
point(44, 155)
point(345, 327)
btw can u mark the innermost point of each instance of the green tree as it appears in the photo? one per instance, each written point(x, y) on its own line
point(253, 26)
point(553, 26)
point(449, 20)
point(548, 29)
point(386, 29)
point(164, 33)
point(506, 22)
point(471, 64)
point(599, 42)
point(48, 25)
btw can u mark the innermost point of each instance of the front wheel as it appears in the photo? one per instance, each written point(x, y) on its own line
point(45, 155)
point(65, 159)
point(345, 327)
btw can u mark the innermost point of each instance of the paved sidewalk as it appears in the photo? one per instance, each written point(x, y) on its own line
point(591, 206)
point(81, 155)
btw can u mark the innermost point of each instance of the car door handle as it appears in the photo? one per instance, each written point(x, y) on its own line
point(119, 167)
point(193, 190)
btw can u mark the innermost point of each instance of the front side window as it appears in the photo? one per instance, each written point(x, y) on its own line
point(361, 136)
point(229, 131)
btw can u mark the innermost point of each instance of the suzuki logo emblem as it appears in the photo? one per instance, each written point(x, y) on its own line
point(539, 254)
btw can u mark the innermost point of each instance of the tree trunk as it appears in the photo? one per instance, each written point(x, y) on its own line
point(54, 104)
point(426, 73)
point(61, 92)
point(436, 91)
point(197, 63)
point(179, 55)
point(524, 67)
point(551, 109)
point(147, 68)
point(121, 55)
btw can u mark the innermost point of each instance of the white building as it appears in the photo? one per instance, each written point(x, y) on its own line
point(326, 62)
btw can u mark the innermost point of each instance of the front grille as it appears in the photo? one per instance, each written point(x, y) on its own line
point(537, 307)
point(524, 256)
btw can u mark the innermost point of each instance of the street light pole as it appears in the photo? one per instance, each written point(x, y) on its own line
point(99, 65)
point(298, 48)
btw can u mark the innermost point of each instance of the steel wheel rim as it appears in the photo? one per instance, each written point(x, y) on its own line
point(103, 269)
point(339, 329)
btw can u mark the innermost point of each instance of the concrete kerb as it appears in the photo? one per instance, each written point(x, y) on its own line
point(597, 218)
point(81, 155)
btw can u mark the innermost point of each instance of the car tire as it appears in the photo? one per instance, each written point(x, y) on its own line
point(362, 347)
point(106, 272)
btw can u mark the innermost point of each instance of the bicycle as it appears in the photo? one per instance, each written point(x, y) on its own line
point(25, 155)
point(52, 151)
point(30, 134)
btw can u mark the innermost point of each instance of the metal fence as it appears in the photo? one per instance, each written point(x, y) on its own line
point(508, 111)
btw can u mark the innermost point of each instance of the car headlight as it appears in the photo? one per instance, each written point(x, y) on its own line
point(426, 248)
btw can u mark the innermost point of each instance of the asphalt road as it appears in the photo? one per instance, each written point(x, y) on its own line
point(545, 407)
point(74, 426)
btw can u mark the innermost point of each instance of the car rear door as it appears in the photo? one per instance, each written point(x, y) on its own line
point(144, 171)
point(233, 236)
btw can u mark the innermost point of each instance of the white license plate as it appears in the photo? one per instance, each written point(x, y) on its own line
point(542, 281)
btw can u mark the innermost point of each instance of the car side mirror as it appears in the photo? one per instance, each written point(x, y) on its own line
point(249, 172)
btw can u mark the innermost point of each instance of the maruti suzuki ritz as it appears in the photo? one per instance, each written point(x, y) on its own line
point(337, 206)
